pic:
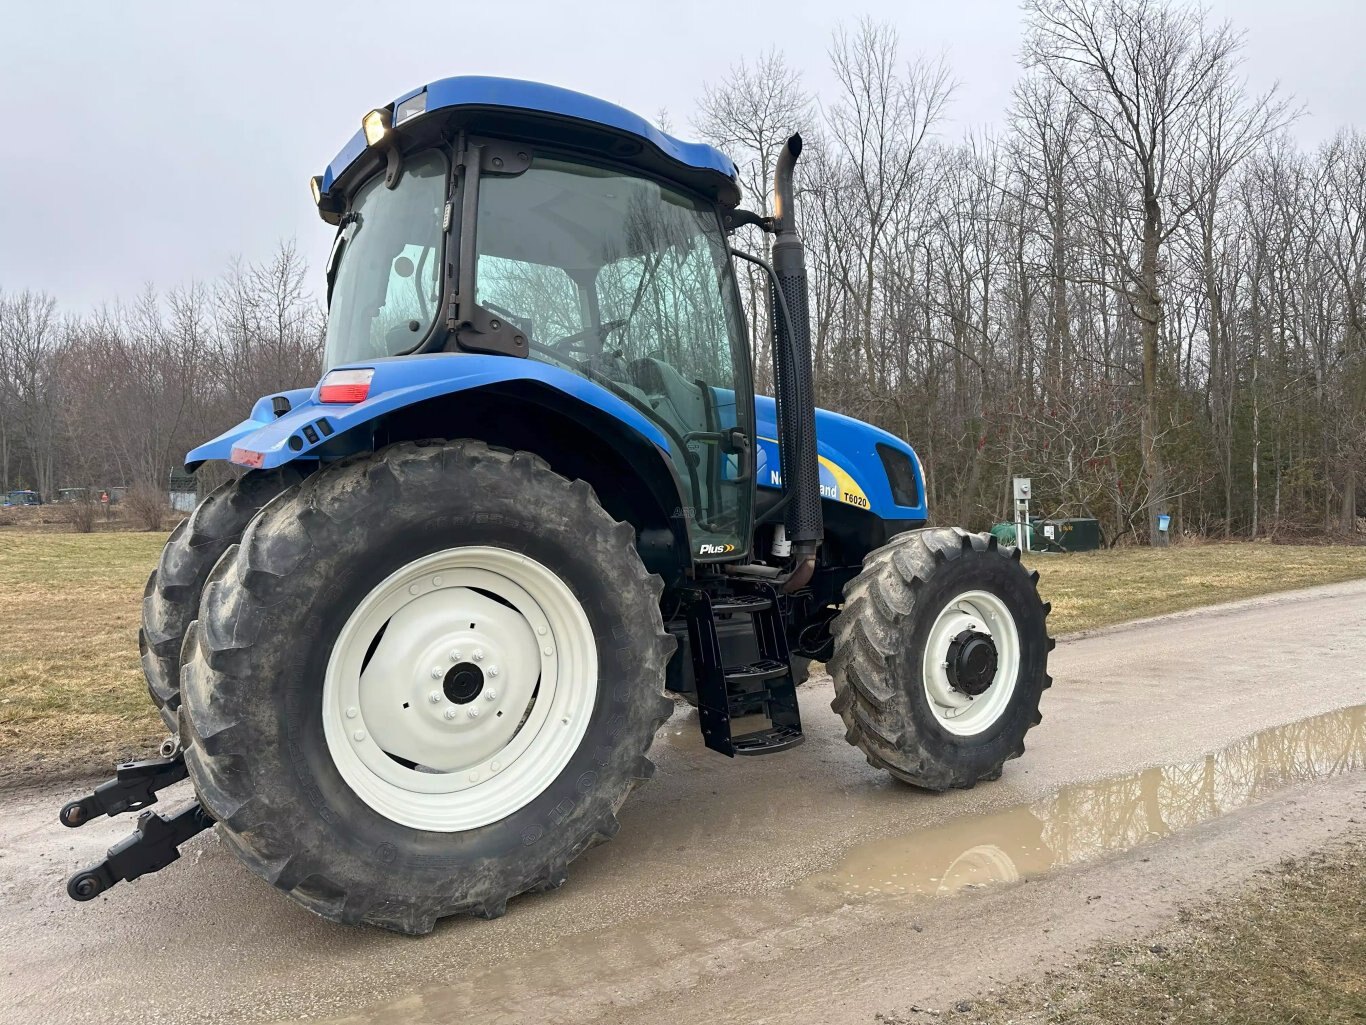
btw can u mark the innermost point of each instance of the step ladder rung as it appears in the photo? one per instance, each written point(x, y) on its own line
point(769, 741)
point(740, 603)
point(727, 692)
point(763, 669)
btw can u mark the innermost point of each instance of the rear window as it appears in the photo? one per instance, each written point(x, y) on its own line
point(901, 475)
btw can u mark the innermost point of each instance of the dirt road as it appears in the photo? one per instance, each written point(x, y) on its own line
point(804, 887)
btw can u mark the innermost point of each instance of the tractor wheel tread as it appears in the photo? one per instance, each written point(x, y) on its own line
point(239, 786)
point(876, 666)
point(171, 598)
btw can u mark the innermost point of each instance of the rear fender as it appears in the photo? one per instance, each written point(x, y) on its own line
point(264, 440)
point(580, 428)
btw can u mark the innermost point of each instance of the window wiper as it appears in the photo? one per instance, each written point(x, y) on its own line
point(339, 246)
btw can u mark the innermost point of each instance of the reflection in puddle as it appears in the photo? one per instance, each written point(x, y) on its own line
point(1083, 822)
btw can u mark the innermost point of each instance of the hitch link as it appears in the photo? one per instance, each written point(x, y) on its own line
point(133, 788)
point(149, 848)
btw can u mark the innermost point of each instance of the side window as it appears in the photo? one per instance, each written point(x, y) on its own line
point(673, 309)
point(385, 269)
point(542, 299)
point(626, 281)
point(414, 289)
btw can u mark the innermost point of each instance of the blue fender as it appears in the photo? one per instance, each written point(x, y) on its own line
point(852, 472)
point(264, 441)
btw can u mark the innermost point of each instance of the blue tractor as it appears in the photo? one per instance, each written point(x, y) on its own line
point(414, 655)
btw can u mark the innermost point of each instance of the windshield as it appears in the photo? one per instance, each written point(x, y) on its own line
point(627, 281)
point(386, 270)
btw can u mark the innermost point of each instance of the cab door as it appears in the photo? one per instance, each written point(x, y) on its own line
point(684, 348)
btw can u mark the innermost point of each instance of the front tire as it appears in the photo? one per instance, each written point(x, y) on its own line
point(941, 657)
point(376, 796)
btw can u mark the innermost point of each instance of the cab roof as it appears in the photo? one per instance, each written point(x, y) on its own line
point(542, 113)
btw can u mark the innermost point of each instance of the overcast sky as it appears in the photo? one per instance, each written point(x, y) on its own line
point(151, 142)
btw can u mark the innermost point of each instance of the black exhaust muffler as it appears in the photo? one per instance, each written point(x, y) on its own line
point(793, 384)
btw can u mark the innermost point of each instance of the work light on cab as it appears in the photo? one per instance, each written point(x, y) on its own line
point(345, 386)
point(376, 124)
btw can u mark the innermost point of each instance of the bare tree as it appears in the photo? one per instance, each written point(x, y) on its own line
point(749, 115)
point(1155, 85)
point(880, 122)
point(30, 335)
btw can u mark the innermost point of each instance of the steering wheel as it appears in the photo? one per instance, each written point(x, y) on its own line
point(574, 342)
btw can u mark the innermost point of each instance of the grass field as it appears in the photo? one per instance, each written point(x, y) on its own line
point(1094, 589)
point(72, 697)
point(1290, 949)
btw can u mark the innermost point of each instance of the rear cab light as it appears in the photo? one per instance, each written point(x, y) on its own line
point(345, 386)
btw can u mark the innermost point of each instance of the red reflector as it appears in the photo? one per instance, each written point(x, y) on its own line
point(345, 386)
point(343, 392)
point(246, 457)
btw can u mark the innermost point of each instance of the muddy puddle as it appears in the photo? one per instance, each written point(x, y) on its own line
point(1087, 821)
point(626, 961)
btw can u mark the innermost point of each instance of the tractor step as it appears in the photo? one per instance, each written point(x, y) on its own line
point(769, 741)
point(764, 669)
point(149, 848)
point(740, 603)
point(729, 692)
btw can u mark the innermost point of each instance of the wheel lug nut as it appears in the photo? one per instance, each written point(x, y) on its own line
point(455, 654)
point(435, 697)
point(479, 654)
point(352, 712)
point(493, 671)
point(473, 713)
point(490, 694)
point(437, 673)
point(359, 735)
point(449, 713)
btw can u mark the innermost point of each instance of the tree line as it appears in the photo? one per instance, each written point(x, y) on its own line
point(1139, 292)
point(117, 396)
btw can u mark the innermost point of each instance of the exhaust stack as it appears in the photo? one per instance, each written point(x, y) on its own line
point(792, 372)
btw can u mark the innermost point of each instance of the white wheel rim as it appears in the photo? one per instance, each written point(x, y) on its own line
point(957, 712)
point(478, 759)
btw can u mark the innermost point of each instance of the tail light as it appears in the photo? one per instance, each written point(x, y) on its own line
point(345, 386)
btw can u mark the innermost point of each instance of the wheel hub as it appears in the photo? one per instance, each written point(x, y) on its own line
point(463, 683)
point(459, 688)
point(972, 662)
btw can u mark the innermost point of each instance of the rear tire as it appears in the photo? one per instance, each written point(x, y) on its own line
point(170, 601)
point(316, 795)
point(905, 618)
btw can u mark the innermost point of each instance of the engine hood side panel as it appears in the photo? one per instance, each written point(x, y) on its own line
point(851, 470)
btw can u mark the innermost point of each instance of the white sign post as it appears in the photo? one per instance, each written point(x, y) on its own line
point(1022, 490)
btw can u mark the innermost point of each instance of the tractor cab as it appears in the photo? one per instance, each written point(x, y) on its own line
point(474, 217)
